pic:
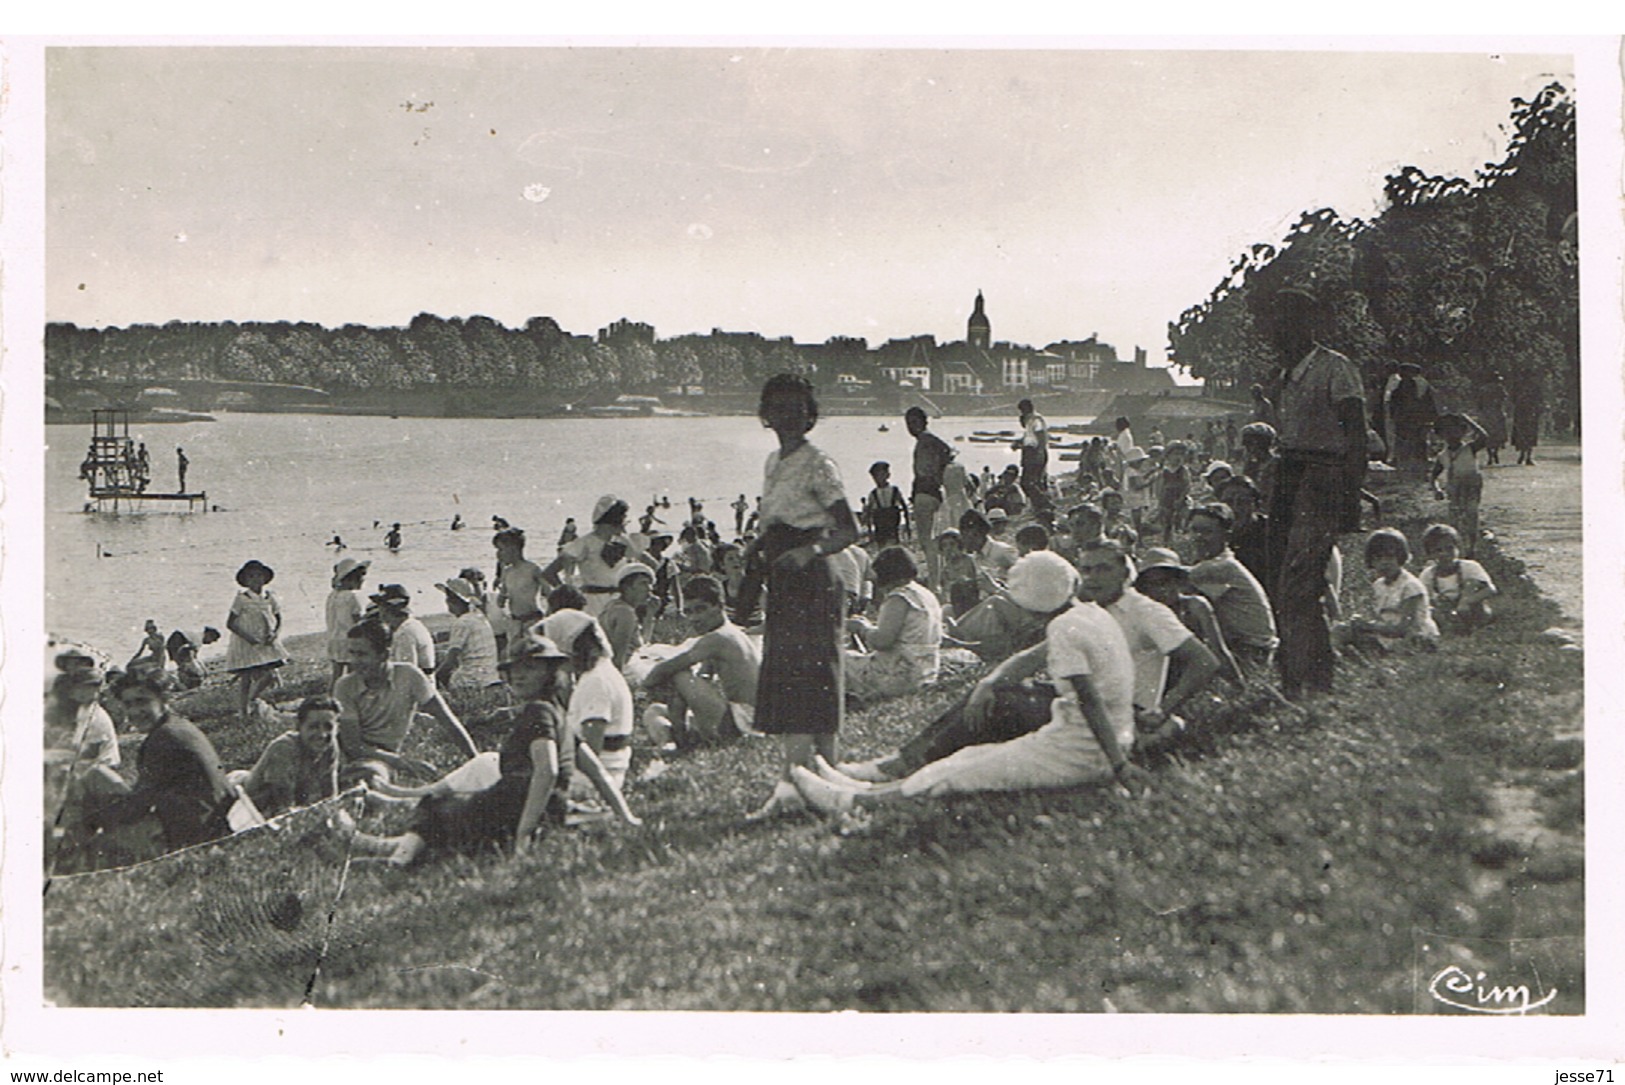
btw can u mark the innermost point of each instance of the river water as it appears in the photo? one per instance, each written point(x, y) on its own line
point(285, 484)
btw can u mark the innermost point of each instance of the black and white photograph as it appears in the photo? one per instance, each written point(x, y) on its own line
point(887, 526)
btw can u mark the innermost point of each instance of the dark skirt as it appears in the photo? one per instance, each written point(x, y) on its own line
point(486, 819)
point(801, 689)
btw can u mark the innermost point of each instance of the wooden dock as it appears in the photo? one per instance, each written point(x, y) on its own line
point(109, 500)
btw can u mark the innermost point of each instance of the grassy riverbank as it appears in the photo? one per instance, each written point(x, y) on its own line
point(1327, 861)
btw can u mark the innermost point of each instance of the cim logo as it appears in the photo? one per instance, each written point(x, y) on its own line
point(1455, 987)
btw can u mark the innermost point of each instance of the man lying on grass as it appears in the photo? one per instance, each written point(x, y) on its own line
point(1005, 705)
point(1086, 738)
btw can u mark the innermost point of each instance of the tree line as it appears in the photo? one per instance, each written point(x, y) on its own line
point(1469, 278)
point(431, 351)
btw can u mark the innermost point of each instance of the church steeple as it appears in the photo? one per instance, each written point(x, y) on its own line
point(978, 332)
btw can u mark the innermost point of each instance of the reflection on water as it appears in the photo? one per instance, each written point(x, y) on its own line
point(288, 483)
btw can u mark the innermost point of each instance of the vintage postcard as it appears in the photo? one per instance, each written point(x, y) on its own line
point(893, 547)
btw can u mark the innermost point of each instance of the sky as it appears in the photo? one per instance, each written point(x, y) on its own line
point(800, 191)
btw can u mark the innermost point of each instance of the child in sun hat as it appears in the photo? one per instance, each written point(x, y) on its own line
point(254, 652)
point(344, 609)
point(470, 658)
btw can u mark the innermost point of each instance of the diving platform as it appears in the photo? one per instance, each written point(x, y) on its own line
point(118, 470)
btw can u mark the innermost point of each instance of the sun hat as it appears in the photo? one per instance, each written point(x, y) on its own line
point(606, 506)
point(1160, 557)
point(1215, 466)
point(76, 657)
point(1136, 454)
point(392, 595)
point(462, 589)
point(1042, 581)
point(345, 567)
point(532, 644)
point(633, 568)
point(564, 626)
point(253, 565)
point(997, 516)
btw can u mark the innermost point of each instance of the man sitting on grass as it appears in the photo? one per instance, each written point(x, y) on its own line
point(1158, 641)
point(1005, 704)
point(1085, 740)
point(378, 699)
point(709, 689)
point(1238, 599)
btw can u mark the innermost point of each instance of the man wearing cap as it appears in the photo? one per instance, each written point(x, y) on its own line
point(1322, 437)
point(622, 619)
point(595, 557)
point(1217, 474)
point(1091, 717)
point(410, 640)
point(378, 700)
point(1239, 601)
point(470, 658)
point(998, 522)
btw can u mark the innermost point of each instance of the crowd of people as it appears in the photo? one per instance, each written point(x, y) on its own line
point(1068, 587)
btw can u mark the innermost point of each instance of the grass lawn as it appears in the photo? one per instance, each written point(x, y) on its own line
point(1319, 861)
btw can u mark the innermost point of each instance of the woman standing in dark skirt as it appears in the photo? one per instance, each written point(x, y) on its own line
point(805, 518)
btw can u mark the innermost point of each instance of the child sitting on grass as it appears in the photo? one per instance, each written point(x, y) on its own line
point(1404, 618)
point(1459, 587)
point(298, 767)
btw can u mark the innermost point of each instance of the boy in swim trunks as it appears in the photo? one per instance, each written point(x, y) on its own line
point(710, 687)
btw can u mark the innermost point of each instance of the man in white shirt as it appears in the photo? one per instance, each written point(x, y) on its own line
point(1091, 724)
point(1156, 637)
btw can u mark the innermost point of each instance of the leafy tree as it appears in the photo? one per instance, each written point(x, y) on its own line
point(1464, 276)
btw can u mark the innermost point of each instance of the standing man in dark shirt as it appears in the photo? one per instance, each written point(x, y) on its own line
point(1317, 493)
point(931, 458)
point(181, 463)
